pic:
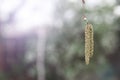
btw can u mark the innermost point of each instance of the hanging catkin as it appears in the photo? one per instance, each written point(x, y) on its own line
point(89, 42)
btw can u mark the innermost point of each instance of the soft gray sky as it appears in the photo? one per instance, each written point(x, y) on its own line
point(32, 13)
point(39, 12)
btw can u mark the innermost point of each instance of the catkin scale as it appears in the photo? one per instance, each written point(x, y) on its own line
point(89, 42)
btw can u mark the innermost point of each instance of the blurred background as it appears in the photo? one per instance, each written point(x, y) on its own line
point(44, 40)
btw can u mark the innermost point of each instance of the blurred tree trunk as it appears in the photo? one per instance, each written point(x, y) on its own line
point(42, 35)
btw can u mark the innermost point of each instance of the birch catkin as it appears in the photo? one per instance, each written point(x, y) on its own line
point(89, 42)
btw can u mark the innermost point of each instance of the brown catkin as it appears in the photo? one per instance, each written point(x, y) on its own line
point(89, 42)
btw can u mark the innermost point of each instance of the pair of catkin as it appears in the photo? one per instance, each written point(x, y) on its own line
point(89, 42)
